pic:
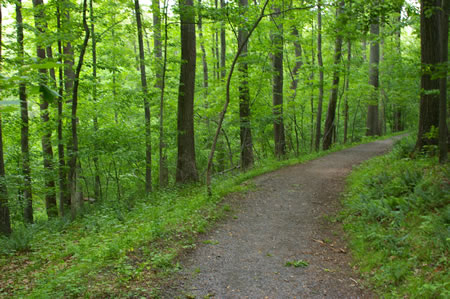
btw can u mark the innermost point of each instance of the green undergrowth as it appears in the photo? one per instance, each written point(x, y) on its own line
point(118, 249)
point(397, 214)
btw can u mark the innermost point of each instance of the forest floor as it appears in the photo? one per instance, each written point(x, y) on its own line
point(282, 240)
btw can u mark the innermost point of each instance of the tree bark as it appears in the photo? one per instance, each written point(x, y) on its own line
point(74, 169)
point(223, 45)
point(277, 86)
point(47, 150)
point(443, 129)
point(347, 84)
point(247, 159)
point(372, 110)
point(148, 146)
point(64, 196)
point(430, 58)
point(203, 49)
point(331, 113)
point(320, 62)
point(24, 133)
point(295, 79)
point(186, 163)
point(160, 73)
point(5, 221)
point(97, 182)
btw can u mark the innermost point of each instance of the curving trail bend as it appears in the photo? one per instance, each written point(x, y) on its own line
point(285, 219)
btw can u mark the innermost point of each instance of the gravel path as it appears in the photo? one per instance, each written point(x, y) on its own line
point(287, 218)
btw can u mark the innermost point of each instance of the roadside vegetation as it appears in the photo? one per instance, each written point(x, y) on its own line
point(397, 214)
point(122, 248)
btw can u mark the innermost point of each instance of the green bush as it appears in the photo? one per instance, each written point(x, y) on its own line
point(397, 214)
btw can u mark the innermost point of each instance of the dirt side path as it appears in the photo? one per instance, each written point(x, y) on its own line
point(285, 219)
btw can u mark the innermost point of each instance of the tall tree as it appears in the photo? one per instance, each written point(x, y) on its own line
point(64, 196)
point(443, 36)
point(347, 85)
point(186, 163)
point(331, 113)
point(163, 169)
point(74, 163)
point(47, 150)
point(223, 45)
point(24, 132)
point(5, 221)
point(277, 84)
point(321, 75)
point(97, 183)
point(148, 145)
point(430, 58)
point(372, 110)
point(244, 95)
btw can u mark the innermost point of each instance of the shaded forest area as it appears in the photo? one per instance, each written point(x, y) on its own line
point(109, 109)
point(98, 96)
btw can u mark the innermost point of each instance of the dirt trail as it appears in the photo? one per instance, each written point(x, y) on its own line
point(285, 219)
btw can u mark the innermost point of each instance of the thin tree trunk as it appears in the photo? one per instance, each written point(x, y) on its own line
point(202, 47)
point(247, 159)
point(186, 163)
point(74, 168)
point(64, 198)
point(372, 110)
point(320, 62)
point(97, 186)
point(227, 100)
point(5, 221)
point(277, 87)
point(24, 133)
point(223, 45)
point(160, 72)
point(47, 151)
point(443, 129)
point(331, 113)
point(295, 79)
point(347, 84)
point(398, 125)
point(311, 78)
point(148, 146)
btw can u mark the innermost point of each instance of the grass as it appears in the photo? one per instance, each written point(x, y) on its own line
point(119, 251)
point(397, 214)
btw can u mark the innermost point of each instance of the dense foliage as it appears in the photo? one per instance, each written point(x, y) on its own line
point(398, 217)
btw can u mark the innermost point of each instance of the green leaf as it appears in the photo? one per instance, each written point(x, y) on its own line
point(46, 65)
point(49, 94)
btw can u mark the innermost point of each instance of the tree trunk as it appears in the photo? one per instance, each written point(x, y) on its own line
point(160, 72)
point(247, 159)
point(430, 57)
point(295, 79)
point(148, 146)
point(202, 47)
point(443, 129)
point(97, 183)
point(186, 163)
point(64, 198)
point(223, 45)
point(47, 150)
point(398, 124)
point(372, 110)
point(347, 84)
point(277, 87)
point(5, 221)
point(320, 62)
point(331, 113)
point(74, 169)
point(24, 134)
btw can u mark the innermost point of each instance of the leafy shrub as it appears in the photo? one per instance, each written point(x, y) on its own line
point(398, 217)
point(18, 241)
